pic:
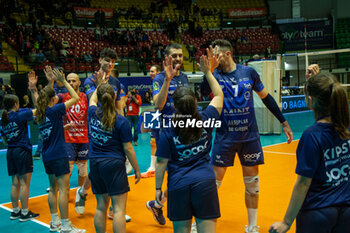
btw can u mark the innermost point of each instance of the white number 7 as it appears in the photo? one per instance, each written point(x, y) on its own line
point(235, 88)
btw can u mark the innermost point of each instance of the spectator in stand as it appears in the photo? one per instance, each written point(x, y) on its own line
point(32, 56)
point(98, 33)
point(133, 103)
point(40, 57)
point(147, 99)
point(26, 102)
point(87, 57)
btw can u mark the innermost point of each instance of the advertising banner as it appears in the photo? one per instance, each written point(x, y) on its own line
point(246, 12)
point(85, 12)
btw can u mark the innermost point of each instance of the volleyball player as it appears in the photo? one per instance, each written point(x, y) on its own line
point(153, 71)
point(239, 132)
point(164, 85)
point(110, 143)
point(19, 150)
point(49, 116)
point(320, 201)
point(185, 151)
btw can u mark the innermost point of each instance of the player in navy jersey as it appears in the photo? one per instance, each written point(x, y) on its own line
point(239, 132)
point(320, 201)
point(49, 116)
point(110, 144)
point(185, 151)
point(14, 133)
point(164, 85)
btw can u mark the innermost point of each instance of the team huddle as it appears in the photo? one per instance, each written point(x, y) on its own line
point(76, 127)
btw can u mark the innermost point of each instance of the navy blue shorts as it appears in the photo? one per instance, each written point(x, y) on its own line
point(77, 151)
point(324, 220)
point(199, 199)
point(19, 161)
point(249, 153)
point(108, 175)
point(57, 167)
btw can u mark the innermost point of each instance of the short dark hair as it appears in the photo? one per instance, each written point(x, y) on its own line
point(108, 52)
point(157, 67)
point(171, 46)
point(224, 45)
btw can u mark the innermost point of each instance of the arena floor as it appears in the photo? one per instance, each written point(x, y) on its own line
point(277, 179)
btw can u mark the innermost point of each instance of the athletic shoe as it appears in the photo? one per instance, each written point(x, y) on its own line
point(136, 144)
point(80, 202)
point(254, 229)
point(15, 215)
point(157, 212)
point(36, 156)
point(110, 215)
point(148, 174)
point(48, 190)
point(29, 216)
point(55, 227)
point(194, 227)
point(72, 229)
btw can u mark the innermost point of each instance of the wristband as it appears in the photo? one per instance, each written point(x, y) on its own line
point(271, 104)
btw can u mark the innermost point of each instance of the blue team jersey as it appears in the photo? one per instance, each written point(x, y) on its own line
point(16, 131)
point(52, 134)
point(175, 82)
point(90, 86)
point(105, 143)
point(187, 163)
point(238, 115)
point(59, 90)
point(324, 157)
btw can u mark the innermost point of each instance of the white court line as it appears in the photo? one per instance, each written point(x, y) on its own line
point(280, 143)
point(276, 152)
point(34, 220)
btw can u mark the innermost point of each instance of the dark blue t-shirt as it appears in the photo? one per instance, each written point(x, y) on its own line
point(90, 86)
point(105, 143)
point(16, 131)
point(187, 163)
point(324, 157)
point(52, 134)
point(238, 115)
point(175, 82)
point(59, 90)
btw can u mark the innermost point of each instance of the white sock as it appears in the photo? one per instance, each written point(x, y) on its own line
point(55, 219)
point(24, 211)
point(65, 223)
point(16, 210)
point(218, 183)
point(252, 217)
point(153, 163)
point(82, 190)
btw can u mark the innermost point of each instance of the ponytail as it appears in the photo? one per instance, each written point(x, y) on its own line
point(105, 95)
point(339, 109)
point(186, 106)
point(42, 103)
point(9, 103)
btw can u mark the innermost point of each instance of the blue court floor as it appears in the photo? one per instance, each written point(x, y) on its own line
point(39, 183)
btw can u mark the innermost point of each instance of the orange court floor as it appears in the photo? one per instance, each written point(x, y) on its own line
point(277, 178)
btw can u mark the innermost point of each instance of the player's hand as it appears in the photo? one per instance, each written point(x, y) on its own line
point(287, 131)
point(169, 69)
point(137, 176)
point(312, 70)
point(50, 76)
point(99, 77)
point(59, 75)
point(214, 58)
point(279, 227)
point(32, 81)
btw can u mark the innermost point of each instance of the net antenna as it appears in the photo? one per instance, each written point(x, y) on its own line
point(306, 55)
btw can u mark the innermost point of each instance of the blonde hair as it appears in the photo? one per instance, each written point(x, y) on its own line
point(105, 96)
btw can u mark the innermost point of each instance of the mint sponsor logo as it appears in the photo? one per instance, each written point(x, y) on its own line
point(252, 157)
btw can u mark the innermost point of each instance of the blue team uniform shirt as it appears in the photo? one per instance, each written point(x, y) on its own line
point(16, 131)
point(90, 86)
point(59, 90)
point(104, 143)
point(238, 115)
point(175, 82)
point(52, 134)
point(324, 157)
point(187, 163)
